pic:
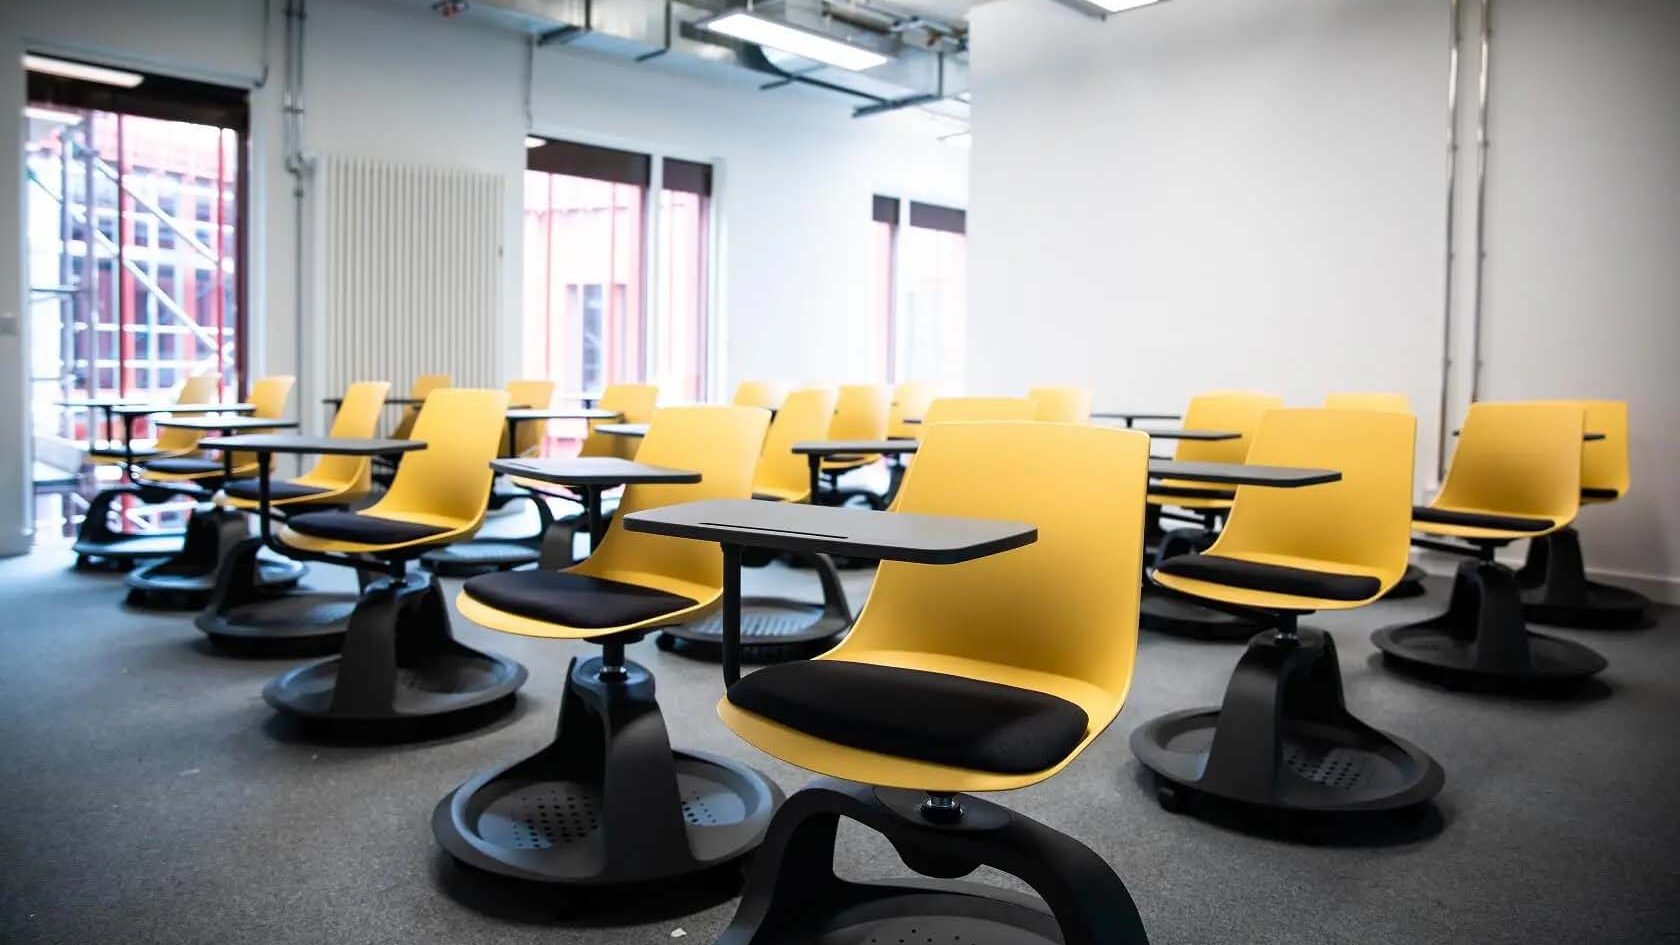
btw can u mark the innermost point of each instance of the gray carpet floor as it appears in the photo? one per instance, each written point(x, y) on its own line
point(153, 797)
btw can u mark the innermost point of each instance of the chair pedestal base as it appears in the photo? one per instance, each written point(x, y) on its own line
point(100, 547)
point(186, 579)
point(244, 617)
point(608, 802)
point(1284, 740)
point(1556, 590)
point(399, 665)
point(1409, 585)
point(1482, 638)
point(773, 629)
point(794, 898)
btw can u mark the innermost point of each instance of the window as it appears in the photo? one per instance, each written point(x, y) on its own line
point(588, 320)
point(920, 290)
point(128, 294)
point(683, 328)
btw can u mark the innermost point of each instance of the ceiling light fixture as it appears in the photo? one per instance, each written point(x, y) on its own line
point(532, 141)
point(53, 115)
point(81, 70)
point(753, 28)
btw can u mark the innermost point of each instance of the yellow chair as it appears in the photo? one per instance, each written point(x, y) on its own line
point(1410, 583)
point(774, 628)
point(1062, 404)
point(400, 664)
point(651, 813)
point(199, 389)
point(1554, 578)
point(333, 480)
point(1516, 474)
point(634, 403)
point(766, 394)
point(419, 390)
point(860, 414)
point(964, 410)
point(245, 609)
point(1283, 738)
point(1202, 507)
point(909, 402)
point(529, 435)
point(268, 395)
point(937, 691)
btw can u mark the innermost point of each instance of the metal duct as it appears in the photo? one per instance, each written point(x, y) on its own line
point(929, 62)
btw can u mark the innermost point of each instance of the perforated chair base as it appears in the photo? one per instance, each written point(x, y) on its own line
point(773, 630)
point(1165, 613)
point(1283, 740)
point(479, 556)
point(794, 898)
point(1482, 639)
point(608, 802)
point(244, 617)
point(400, 672)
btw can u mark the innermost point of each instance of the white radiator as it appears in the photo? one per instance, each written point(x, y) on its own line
point(412, 274)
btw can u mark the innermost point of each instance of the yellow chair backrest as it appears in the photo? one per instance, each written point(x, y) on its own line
point(268, 396)
point(963, 409)
point(766, 394)
point(529, 393)
point(861, 412)
point(200, 389)
point(1083, 488)
point(1604, 463)
point(722, 445)
point(1368, 400)
point(805, 415)
point(910, 402)
point(1062, 404)
point(1234, 411)
point(448, 483)
point(1364, 520)
point(357, 418)
point(419, 390)
point(634, 403)
point(1520, 459)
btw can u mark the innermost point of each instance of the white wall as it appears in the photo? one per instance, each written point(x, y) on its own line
point(1223, 194)
point(390, 79)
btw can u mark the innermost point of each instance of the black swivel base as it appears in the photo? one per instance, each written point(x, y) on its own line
point(100, 547)
point(187, 578)
point(245, 617)
point(400, 670)
point(1284, 740)
point(773, 629)
point(1555, 589)
point(1409, 585)
point(1482, 639)
point(608, 802)
point(794, 898)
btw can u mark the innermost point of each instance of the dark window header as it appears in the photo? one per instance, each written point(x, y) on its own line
point(688, 176)
point(886, 209)
point(158, 96)
point(931, 217)
point(588, 160)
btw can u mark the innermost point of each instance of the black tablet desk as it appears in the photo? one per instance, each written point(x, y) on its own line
point(593, 475)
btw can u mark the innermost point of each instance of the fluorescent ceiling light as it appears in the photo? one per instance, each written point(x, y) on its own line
point(78, 70)
point(1119, 6)
point(531, 141)
point(52, 114)
point(799, 42)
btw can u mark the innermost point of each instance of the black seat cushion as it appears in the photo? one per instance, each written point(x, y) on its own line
point(1505, 523)
point(1189, 492)
point(1274, 578)
point(911, 713)
point(364, 529)
point(185, 466)
point(1588, 492)
point(573, 600)
point(278, 490)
